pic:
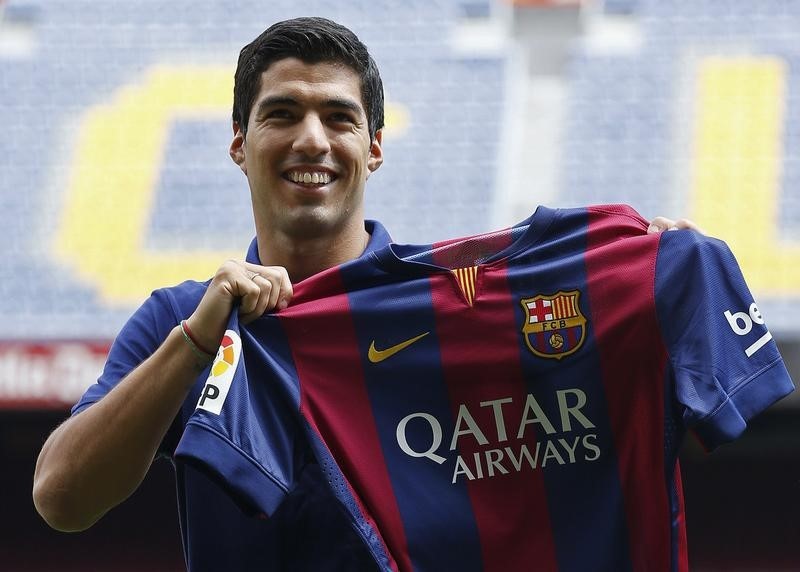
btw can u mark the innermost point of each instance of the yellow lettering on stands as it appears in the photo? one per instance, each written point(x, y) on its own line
point(737, 167)
point(110, 192)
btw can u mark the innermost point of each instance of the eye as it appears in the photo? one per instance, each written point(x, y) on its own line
point(342, 117)
point(279, 114)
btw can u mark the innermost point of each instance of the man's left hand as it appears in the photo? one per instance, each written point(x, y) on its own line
point(662, 223)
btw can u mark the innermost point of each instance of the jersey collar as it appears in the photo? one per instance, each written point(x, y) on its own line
point(378, 238)
point(409, 258)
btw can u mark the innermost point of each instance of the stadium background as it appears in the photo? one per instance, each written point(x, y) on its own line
point(114, 179)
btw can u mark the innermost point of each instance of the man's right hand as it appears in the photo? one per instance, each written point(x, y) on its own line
point(97, 458)
point(258, 289)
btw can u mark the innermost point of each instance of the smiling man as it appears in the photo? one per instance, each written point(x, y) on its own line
point(307, 120)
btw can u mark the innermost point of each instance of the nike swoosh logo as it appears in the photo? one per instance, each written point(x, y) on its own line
point(376, 356)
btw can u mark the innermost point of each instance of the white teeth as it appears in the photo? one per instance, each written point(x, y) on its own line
point(310, 178)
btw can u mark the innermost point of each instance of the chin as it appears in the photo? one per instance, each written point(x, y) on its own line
point(311, 223)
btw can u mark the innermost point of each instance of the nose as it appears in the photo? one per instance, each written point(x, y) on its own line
point(311, 139)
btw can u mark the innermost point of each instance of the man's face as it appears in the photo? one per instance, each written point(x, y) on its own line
point(307, 153)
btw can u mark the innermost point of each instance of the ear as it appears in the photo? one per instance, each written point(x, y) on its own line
point(237, 150)
point(375, 159)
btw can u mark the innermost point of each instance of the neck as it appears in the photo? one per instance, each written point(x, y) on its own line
point(304, 257)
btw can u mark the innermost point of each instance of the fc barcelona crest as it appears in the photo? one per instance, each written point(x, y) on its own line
point(554, 325)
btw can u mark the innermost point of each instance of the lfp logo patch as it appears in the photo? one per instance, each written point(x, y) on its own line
point(222, 370)
point(554, 325)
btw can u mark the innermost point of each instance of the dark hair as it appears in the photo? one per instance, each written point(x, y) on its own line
point(312, 40)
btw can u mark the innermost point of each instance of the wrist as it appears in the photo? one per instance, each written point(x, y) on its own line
point(206, 338)
point(203, 356)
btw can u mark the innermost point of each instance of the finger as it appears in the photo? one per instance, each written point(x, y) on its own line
point(284, 288)
point(660, 224)
point(685, 223)
point(275, 290)
point(270, 288)
point(249, 292)
point(265, 290)
point(281, 283)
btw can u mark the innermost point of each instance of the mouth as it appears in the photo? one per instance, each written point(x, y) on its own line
point(309, 177)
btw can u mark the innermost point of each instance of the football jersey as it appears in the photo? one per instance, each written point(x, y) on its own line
point(509, 401)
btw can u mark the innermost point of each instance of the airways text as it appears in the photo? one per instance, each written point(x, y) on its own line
point(567, 431)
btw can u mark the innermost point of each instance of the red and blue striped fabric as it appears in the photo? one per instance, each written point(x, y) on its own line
point(523, 415)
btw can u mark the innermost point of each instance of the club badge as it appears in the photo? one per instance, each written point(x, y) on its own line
point(554, 325)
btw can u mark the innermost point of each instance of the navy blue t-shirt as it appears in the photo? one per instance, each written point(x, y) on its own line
point(308, 532)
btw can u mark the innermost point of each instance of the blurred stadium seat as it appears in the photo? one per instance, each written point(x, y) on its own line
point(78, 103)
point(645, 126)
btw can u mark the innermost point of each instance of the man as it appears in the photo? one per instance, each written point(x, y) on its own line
point(307, 134)
point(307, 120)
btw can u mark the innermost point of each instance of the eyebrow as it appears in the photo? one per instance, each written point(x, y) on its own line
point(279, 100)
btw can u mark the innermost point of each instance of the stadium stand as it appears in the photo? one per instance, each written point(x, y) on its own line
point(640, 130)
point(440, 106)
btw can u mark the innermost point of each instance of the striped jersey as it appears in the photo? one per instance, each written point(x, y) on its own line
point(509, 401)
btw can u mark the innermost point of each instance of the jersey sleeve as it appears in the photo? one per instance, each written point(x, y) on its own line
point(725, 364)
point(141, 335)
point(243, 432)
